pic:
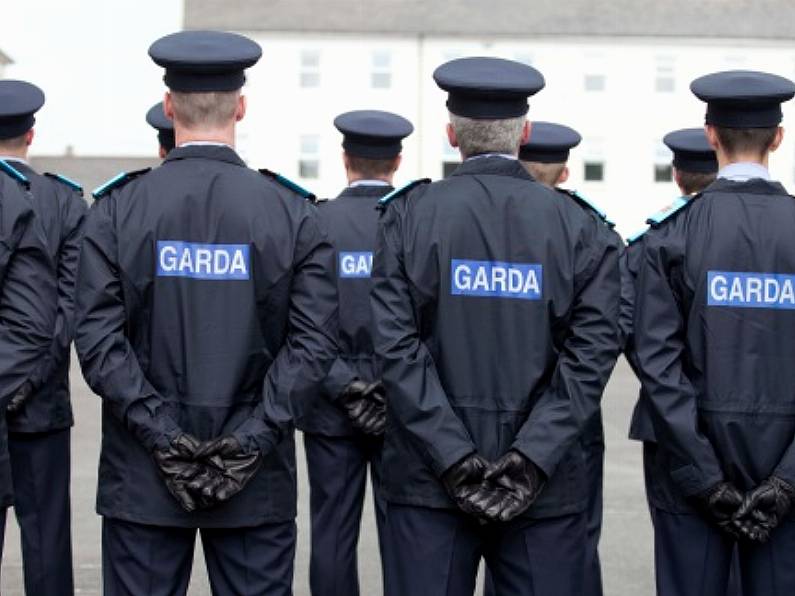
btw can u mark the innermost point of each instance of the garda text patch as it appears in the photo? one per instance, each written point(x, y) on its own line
point(496, 279)
point(356, 264)
point(751, 290)
point(202, 261)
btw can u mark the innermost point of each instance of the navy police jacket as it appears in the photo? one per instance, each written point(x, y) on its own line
point(496, 313)
point(351, 220)
point(60, 208)
point(715, 336)
point(594, 434)
point(206, 304)
point(27, 303)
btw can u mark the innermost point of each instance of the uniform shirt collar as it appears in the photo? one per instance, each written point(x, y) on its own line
point(501, 155)
point(356, 183)
point(205, 144)
point(744, 171)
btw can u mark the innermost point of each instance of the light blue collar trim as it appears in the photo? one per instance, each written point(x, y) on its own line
point(743, 171)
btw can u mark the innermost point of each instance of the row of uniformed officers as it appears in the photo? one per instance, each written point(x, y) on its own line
point(453, 337)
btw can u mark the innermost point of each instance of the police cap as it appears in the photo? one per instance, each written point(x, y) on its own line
point(692, 151)
point(549, 143)
point(19, 101)
point(372, 134)
point(204, 61)
point(156, 118)
point(488, 88)
point(743, 98)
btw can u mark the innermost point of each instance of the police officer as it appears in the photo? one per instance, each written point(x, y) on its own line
point(345, 423)
point(40, 418)
point(713, 337)
point(695, 167)
point(546, 156)
point(28, 295)
point(546, 152)
point(495, 306)
point(206, 316)
point(156, 118)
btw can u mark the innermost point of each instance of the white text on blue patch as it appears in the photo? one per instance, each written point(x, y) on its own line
point(203, 261)
point(355, 264)
point(751, 290)
point(496, 279)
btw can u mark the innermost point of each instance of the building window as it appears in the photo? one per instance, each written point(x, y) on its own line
point(594, 171)
point(381, 73)
point(595, 82)
point(664, 80)
point(309, 161)
point(593, 153)
point(310, 68)
point(663, 170)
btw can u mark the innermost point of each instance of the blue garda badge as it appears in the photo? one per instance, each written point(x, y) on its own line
point(496, 279)
point(751, 290)
point(355, 264)
point(203, 261)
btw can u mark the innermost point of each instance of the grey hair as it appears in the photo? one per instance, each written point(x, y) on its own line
point(197, 110)
point(487, 136)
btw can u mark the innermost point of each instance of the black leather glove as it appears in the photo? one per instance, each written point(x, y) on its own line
point(763, 508)
point(228, 468)
point(178, 466)
point(20, 398)
point(720, 504)
point(463, 480)
point(513, 483)
point(365, 405)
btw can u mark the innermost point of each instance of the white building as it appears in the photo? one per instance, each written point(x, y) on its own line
point(618, 72)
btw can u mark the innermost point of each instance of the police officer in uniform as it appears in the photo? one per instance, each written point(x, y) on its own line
point(546, 152)
point(28, 296)
point(40, 418)
point(206, 317)
point(344, 425)
point(496, 315)
point(713, 339)
point(695, 167)
point(156, 118)
point(546, 156)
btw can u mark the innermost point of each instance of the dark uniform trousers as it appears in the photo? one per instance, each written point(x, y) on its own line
point(40, 464)
point(337, 469)
point(142, 560)
point(436, 552)
point(594, 450)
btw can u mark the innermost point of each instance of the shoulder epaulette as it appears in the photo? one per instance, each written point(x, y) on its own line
point(14, 173)
point(403, 190)
point(636, 236)
point(588, 205)
point(669, 211)
point(117, 182)
point(287, 183)
point(64, 180)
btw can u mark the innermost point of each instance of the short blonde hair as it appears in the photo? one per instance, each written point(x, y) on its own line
point(212, 109)
point(545, 173)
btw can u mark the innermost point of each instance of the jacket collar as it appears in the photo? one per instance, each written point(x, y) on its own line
point(215, 152)
point(754, 186)
point(366, 191)
point(498, 166)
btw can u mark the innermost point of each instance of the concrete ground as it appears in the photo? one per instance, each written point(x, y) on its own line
point(626, 544)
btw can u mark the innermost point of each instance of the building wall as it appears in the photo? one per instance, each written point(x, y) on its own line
point(644, 94)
